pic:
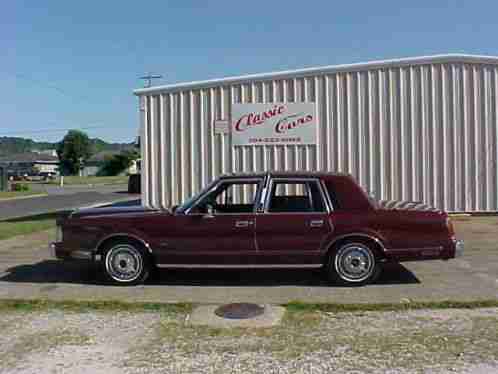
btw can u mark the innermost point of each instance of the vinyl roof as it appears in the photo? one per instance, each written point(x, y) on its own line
point(298, 73)
point(282, 174)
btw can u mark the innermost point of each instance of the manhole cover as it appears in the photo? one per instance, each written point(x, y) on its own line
point(239, 311)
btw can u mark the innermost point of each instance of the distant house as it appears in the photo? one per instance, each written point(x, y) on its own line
point(30, 163)
point(50, 152)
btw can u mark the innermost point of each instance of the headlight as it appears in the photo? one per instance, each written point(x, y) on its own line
point(58, 234)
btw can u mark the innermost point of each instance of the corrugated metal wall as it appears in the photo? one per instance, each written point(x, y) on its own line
point(422, 132)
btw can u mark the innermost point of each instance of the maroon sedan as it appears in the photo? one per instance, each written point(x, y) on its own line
point(268, 220)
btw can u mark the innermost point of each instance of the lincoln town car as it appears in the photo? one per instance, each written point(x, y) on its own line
point(263, 220)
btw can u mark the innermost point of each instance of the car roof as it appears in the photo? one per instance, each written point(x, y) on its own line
point(284, 174)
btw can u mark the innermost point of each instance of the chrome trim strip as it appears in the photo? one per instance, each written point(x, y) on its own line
point(325, 193)
point(125, 235)
point(248, 266)
point(416, 249)
point(81, 255)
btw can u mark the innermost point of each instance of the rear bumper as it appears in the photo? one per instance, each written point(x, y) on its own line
point(459, 248)
point(453, 248)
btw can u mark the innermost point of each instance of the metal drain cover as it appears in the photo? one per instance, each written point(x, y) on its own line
point(239, 311)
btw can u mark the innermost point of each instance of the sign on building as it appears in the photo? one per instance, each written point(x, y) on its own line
point(274, 123)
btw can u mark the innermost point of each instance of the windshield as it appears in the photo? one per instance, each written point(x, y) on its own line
point(187, 204)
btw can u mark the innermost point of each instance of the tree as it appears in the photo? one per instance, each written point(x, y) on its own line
point(73, 151)
point(118, 163)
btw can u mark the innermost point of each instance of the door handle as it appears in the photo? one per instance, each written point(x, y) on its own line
point(243, 223)
point(316, 223)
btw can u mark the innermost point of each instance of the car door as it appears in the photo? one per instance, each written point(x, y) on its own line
point(295, 223)
point(218, 230)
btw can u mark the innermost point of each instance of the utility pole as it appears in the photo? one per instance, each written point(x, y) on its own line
point(148, 79)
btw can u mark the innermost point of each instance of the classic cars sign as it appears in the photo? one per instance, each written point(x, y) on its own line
point(273, 123)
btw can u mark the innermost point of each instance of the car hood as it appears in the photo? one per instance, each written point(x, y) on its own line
point(405, 205)
point(109, 211)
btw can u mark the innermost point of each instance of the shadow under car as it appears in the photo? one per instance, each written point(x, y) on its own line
point(55, 271)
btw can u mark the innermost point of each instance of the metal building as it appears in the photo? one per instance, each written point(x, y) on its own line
point(419, 129)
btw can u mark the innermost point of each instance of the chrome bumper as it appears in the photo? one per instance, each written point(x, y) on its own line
point(77, 255)
point(51, 251)
point(459, 248)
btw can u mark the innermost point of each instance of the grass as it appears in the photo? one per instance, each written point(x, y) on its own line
point(76, 180)
point(26, 225)
point(297, 306)
point(292, 307)
point(12, 194)
point(90, 306)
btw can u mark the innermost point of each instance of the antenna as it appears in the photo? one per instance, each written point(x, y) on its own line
point(148, 79)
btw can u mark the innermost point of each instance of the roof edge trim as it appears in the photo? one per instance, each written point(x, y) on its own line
point(443, 58)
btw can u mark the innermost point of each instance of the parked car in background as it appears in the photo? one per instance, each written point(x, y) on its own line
point(268, 220)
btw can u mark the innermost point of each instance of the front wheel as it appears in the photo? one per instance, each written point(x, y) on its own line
point(126, 264)
point(353, 264)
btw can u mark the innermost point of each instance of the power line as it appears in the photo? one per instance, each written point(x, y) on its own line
point(62, 92)
point(51, 86)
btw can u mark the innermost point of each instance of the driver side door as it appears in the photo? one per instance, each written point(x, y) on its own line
point(219, 229)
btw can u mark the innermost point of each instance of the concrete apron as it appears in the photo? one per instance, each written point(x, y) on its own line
point(27, 272)
point(205, 315)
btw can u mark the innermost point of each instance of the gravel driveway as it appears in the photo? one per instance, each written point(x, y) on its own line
point(421, 341)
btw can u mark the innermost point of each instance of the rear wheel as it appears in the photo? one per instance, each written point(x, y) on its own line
point(353, 264)
point(126, 263)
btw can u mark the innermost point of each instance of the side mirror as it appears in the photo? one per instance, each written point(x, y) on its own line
point(209, 212)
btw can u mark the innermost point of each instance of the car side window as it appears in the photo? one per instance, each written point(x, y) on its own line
point(296, 196)
point(229, 197)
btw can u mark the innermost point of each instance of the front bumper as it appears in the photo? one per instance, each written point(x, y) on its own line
point(51, 251)
point(459, 248)
point(56, 252)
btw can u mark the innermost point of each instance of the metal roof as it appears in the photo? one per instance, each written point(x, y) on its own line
point(443, 58)
point(28, 157)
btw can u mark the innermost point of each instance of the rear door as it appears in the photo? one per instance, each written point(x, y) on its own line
point(294, 226)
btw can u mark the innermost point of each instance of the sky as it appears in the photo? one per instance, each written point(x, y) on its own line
point(74, 64)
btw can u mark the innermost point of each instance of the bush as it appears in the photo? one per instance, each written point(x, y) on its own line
point(19, 187)
point(117, 164)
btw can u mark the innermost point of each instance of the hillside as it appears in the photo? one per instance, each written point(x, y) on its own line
point(12, 145)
